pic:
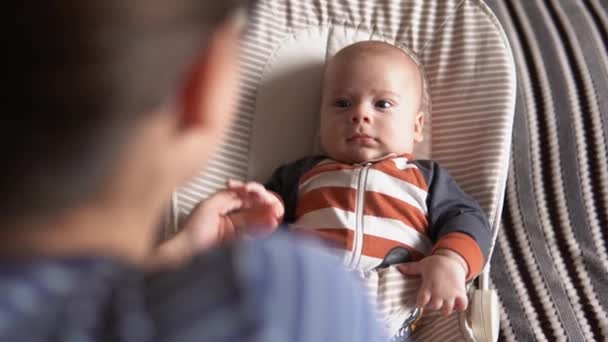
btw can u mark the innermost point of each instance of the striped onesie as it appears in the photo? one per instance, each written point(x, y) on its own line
point(365, 210)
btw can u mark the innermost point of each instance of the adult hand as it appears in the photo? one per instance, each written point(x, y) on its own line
point(206, 226)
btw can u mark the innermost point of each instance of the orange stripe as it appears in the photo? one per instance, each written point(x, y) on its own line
point(327, 167)
point(466, 247)
point(326, 197)
point(378, 247)
point(410, 175)
point(381, 205)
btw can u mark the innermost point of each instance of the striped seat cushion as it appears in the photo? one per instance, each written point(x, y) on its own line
point(468, 64)
point(467, 61)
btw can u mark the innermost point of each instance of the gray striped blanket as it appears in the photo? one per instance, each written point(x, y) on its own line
point(550, 264)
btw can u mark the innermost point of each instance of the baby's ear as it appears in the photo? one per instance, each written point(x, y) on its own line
point(418, 125)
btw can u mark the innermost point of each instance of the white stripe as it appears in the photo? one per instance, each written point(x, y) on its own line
point(339, 178)
point(454, 95)
point(441, 65)
point(464, 135)
point(523, 245)
point(327, 218)
point(186, 198)
point(383, 183)
point(505, 324)
point(402, 163)
point(469, 120)
point(537, 177)
point(434, 327)
point(367, 263)
point(398, 231)
point(474, 103)
point(378, 181)
point(380, 227)
point(447, 81)
point(471, 56)
point(558, 180)
point(577, 114)
point(190, 193)
point(467, 46)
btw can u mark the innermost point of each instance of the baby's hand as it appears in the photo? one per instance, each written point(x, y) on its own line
point(443, 281)
point(261, 210)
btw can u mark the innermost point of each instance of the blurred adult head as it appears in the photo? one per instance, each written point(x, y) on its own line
point(111, 104)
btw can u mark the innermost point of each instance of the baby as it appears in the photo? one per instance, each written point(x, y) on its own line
point(369, 197)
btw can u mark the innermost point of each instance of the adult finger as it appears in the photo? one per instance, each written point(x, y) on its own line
point(223, 202)
point(233, 183)
point(259, 190)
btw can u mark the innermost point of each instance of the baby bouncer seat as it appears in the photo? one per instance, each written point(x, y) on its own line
point(471, 78)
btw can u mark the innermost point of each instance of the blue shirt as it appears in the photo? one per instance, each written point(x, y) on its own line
point(276, 289)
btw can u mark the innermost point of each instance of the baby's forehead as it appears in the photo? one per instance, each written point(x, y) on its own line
point(361, 55)
point(385, 51)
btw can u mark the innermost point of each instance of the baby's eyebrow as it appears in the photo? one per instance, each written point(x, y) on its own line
point(388, 92)
point(353, 92)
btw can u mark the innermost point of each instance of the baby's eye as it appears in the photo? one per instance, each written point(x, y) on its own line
point(384, 104)
point(342, 103)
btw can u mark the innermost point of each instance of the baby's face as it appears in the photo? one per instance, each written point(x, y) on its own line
point(370, 104)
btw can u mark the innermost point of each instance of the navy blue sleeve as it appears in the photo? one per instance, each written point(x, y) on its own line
point(452, 212)
point(284, 182)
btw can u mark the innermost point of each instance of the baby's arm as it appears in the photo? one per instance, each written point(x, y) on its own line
point(462, 238)
point(443, 281)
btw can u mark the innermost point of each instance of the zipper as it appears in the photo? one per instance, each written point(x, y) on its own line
point(359, 207)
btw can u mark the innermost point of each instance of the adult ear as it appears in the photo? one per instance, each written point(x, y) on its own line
point(206, 102)
point(418, 125)
point(209, 92)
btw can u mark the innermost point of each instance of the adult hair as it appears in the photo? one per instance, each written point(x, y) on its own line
point(81, 75)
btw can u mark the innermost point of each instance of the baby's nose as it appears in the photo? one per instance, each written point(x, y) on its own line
point(359, 115)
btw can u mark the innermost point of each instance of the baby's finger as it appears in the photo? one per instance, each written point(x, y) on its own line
point(461, 303)
point(424, 296)
point(448, 308)
point(411, 268)
point(435, 303)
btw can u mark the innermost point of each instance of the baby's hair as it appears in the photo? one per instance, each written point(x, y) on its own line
point(425, 100)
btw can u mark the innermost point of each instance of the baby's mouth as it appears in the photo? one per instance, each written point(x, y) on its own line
point(360, 138)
